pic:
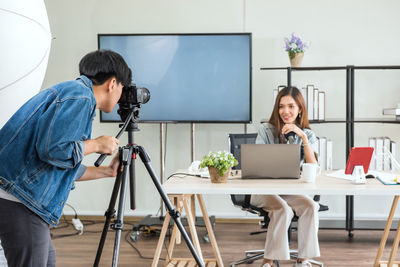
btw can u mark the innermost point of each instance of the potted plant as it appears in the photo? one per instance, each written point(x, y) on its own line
point(219, 164)
point(295, 48)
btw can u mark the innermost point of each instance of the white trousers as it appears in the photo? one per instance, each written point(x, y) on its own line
point(280, 209)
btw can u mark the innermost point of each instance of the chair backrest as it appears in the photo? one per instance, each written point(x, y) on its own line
point(236, 140)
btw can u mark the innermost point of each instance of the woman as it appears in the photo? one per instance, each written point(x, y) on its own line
point(289, 115)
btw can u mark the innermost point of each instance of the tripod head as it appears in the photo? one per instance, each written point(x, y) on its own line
point(124, 112)
point(131, 116)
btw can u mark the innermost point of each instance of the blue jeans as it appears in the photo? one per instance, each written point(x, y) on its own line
point(25, 237)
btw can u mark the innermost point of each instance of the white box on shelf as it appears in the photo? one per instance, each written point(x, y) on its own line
point(393, 148)
point(315, 103)
point(386, 145)
point(391, 111)
point(321, 105)
point(379, 154)
point(304, 93)
point(310, 101)
point(372, 143)
point(274, 95)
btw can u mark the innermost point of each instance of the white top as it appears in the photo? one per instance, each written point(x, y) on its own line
point(7, 196)
point(324, 185)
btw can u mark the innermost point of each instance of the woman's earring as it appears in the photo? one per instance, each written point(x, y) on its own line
point(299, 115)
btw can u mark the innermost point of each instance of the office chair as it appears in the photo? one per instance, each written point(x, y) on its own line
point(243, 201)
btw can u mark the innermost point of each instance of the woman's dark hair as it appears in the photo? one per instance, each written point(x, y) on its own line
point(100, 65)
point(302, 118)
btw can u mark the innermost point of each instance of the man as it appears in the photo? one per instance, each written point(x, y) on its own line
point(41, 150)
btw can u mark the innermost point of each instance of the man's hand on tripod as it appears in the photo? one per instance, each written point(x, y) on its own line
point(102, 145)
point(93, 173)
point(113, 167)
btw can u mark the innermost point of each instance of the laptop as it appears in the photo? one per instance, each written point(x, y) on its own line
point(270, 161)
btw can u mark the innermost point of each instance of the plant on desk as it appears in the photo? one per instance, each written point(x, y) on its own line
point(219, 164)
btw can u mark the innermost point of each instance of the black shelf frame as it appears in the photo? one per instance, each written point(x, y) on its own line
point(349, 120)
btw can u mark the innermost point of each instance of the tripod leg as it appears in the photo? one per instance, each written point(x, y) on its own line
point(110, 213)
point(174, 214)
point(118, 224)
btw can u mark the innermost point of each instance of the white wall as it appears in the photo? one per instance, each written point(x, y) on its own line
point(341, 33)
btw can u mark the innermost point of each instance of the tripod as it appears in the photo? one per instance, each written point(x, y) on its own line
point(126, 154)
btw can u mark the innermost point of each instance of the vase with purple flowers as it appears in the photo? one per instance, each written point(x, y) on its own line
point(295, 48)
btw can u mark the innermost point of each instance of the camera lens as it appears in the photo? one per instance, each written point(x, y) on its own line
point(143, 95)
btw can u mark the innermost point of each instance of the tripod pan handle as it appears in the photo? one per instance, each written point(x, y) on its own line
point(100, 160)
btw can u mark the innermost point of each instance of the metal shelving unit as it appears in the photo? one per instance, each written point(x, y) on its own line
point(349, 120)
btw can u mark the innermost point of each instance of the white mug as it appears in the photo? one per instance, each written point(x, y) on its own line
point(310, 171)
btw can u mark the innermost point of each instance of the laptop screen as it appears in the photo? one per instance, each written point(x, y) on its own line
point(280, 161)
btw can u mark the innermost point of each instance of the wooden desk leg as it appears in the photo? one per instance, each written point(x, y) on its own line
point(178, 202)
point(395, 245)
point(161, 240)
point(193, 206)
point(386, 233)
point(192, 226)
point(210, 231)
point(172, 242)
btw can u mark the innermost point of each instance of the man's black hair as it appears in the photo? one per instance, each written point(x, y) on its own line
point(100, 65)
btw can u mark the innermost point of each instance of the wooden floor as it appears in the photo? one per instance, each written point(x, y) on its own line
point(232, 238)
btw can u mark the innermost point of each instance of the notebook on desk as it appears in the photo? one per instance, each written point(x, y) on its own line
point(273, 161)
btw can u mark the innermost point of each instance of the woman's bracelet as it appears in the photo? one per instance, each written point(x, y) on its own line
point(305, 144)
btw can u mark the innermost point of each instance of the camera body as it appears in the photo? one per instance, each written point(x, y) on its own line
point(131, 99)
point(134, 95)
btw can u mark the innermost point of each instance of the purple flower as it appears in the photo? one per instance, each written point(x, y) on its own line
point(294, 44)
point(293, 40)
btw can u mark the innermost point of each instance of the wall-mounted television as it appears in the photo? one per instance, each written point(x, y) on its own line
point(191, 77)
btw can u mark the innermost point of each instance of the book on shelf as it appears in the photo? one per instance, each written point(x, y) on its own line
point(274, 95)
point(380, 160)
point(379, 154)
point(315, 103)
point(310, 101)
point(304, 93)
point(386, 147)
point(329, 152)
point(393, 151)
point(321, 105)
point(372, 143)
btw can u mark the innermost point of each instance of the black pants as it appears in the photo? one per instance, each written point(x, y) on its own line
point(25, 237)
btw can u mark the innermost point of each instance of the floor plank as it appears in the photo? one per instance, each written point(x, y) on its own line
point(232, 238)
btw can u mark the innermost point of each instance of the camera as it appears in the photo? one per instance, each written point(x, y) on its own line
point(131, 98)
point(134, 95)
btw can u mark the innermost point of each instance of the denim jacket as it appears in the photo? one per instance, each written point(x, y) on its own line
point(41, 146)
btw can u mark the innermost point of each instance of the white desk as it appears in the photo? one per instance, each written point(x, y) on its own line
point(188, 186)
